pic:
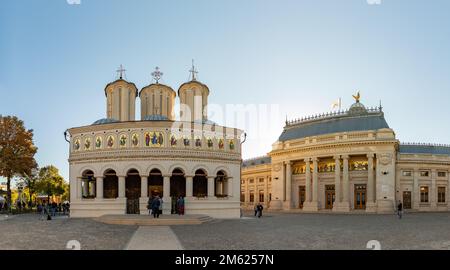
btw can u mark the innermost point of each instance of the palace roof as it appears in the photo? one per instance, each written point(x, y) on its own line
point(357, 118)
point(431, 149)
point(257, 161)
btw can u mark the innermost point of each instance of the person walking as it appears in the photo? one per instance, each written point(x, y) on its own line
point(256, 209)
point(155, 207)
point(149, 205)
point(260, 209)
point(399, 209)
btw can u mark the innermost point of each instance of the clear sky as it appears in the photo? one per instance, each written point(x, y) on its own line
point(56, 58)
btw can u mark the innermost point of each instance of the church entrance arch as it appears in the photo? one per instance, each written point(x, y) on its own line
point(133, 191)
point(177, 187)
point(155, 183)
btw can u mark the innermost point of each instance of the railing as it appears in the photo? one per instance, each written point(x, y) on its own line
point(328, 115)
point(425, 144)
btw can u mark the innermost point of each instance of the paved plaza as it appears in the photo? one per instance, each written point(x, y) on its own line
point(272, 231)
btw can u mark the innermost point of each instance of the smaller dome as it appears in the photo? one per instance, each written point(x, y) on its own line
point(357, 108)
point(155, 117)
point(105, 121)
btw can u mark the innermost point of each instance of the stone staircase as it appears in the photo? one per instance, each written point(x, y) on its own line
point(147, 220)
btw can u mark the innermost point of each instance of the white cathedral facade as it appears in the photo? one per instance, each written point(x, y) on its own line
point(118, 162)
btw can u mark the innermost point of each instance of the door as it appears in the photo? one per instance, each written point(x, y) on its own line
point(407, 199)
point(133, 192)
point(360, 196)
point(330, 196)
point(301, 196)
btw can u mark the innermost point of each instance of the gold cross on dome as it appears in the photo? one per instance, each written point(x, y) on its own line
point(193, 71)
point(121, 71)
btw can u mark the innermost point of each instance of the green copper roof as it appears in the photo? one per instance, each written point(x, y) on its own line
point(334, 123)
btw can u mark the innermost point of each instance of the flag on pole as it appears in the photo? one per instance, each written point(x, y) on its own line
point(336, 104)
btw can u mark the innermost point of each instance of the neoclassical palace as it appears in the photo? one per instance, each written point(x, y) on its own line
point(347, 161)
point(118, 162)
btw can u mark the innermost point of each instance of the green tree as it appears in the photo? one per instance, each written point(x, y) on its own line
point(16, 150)
point(50, 182)
point(29, 181)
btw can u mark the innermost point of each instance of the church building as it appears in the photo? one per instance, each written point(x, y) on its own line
point(118, 162)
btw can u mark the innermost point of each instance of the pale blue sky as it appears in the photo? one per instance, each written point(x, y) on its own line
point(56, 58)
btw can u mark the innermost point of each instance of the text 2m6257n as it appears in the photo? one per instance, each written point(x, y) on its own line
point(246, 259)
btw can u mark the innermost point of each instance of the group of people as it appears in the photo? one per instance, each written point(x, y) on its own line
point(52, 209)
point(154, 206)
point(258, 210)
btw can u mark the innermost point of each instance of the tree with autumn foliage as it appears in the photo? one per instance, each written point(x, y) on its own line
point(16, 150)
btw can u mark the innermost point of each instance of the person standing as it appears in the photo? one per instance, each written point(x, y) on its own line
point(399, 209)
point(256, 209)
point(160, 205)
point(149, 205)
point(260, 209)
point(155, 207)
point(181, 206)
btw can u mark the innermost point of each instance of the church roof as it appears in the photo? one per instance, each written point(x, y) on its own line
point(424, 149)
point(121, 80)
point(257, 161)
point(155, 117)
point(157, 84)
point(193, 81)
point(357, 118)
point(105, 121)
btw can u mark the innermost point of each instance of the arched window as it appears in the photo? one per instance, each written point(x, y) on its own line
point(88, 185)
point(110, 185)
point(200, 184)
point(155, 183)
point(221, 184)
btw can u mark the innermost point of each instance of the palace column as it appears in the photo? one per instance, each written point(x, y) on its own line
point(313, 204)
point(288, 201)
point(307, 181)
point(266, 191)
point(79, 188)
point(433, 197)
point(211, 187)
point(370, 204)
point(92, 191)
point(121, 186)
point(247, 191)
point(99, 190)
point(345, 205)
point(416, 191)
point(189, 186)
point(144, 186)
point(337, 182)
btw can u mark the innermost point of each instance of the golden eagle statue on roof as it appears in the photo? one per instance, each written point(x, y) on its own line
point(357, 97)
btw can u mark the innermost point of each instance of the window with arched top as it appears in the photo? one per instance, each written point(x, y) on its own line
point(200, 184)
point(88, 185)
point(221, 184)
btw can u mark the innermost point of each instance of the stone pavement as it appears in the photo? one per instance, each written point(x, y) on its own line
point(154, 238)
point(272, 231)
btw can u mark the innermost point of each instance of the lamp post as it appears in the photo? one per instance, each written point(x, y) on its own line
point(240, 170)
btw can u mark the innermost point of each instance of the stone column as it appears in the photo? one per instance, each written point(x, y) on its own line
point(79, 188)
point(447, 194)
point(167, 200)
point(311, 203)
point(189, 186)
point(266, 191)
point(211, 187)
point(99, 187)
point(370, 204)
point(247, 192)
point(315, 189)
point(345, 205)
point(307, 181)
point(92, 190)
point(416, 191)
point(337, 182)
point(433, 191)
point(85, 187)
point(121, 186)
point(144, 186)
point(288, 201)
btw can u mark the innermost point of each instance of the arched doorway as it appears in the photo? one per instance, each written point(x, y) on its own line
point(200, 184)
point(110, 185)
point(155, 183)
point(177, 187)
point(221, 184)
point(133, 191)
point(88, 185)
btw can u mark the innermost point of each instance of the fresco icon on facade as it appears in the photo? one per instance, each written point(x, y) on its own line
point(98, 142)
point(110, 141)
point(135, 140)
point(87, 144)
point(123, 141)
